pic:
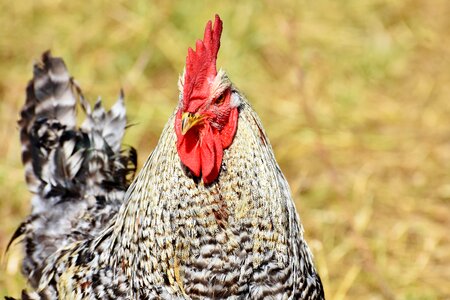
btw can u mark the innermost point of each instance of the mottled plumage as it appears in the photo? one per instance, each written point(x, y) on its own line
point(237, 236)
point(78, 175)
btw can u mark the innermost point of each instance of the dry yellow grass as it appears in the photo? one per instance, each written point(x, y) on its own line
point(354, 96)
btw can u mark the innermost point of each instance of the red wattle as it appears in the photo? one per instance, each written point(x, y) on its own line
point(201, 148)
point(188, 147)
point(211, 154)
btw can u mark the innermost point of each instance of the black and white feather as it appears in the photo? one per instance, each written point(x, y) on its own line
point(78, 175)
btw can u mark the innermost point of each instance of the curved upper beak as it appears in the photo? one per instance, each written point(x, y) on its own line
point(189, 120)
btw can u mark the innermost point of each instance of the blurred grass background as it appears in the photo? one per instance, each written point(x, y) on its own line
point(353, 94)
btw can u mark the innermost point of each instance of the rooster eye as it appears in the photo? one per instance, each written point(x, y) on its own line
point(219, 100)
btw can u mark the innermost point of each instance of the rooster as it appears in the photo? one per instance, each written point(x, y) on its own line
point(209, 216)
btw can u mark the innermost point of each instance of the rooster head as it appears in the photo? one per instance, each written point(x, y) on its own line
point(207, 116)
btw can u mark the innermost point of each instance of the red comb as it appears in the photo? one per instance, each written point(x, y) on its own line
point(201, 63)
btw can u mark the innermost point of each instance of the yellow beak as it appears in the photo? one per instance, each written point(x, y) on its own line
point(189, 120)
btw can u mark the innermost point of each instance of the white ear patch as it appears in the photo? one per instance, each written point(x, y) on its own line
point(235, 100)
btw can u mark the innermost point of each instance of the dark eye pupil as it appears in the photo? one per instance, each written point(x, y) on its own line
point(219, 100)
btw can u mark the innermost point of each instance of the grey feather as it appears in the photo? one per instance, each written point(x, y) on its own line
point(77, 177)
